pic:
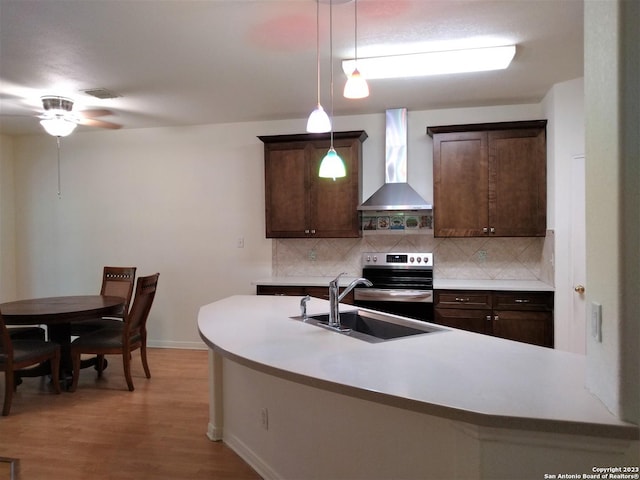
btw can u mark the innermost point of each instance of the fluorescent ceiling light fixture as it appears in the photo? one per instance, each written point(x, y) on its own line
point(433, 63)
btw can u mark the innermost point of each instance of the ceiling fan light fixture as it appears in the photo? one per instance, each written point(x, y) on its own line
point(58, 126)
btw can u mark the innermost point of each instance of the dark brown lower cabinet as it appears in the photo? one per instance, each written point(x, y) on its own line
point(521, 316)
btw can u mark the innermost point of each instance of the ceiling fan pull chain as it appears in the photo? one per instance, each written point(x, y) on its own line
point(58, 143)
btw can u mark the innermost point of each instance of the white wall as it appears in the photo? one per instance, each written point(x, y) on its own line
point(175, 200)
point(7, 221)
point(613, 210)
point(564, 109)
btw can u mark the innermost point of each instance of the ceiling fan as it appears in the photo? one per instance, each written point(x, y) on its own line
point(59, 119)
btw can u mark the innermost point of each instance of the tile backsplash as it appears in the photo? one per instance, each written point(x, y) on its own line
point(504, 258)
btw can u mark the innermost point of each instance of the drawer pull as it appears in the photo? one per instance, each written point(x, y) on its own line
point(523, 300)
point(462, 300)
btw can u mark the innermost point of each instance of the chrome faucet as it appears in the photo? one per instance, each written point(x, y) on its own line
point(335, 297)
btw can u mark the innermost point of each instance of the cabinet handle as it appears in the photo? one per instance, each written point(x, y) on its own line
point(306, 231)
point(313, 232)
point(523, 300)
point(488, 318)
point(485, 230)
point(493, 230)
point(462, 300)
point(496, 318)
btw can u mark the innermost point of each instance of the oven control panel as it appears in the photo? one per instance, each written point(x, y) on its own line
point(393, 259)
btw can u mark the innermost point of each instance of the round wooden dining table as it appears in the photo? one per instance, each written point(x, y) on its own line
point(57, 313)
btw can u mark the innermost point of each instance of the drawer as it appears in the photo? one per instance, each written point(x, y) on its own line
point(462, 299)
point(523, 301)
point(280, 290)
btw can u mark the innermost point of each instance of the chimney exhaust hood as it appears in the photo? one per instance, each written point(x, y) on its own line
point(396, 193)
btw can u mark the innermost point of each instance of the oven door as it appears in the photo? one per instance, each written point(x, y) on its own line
point(417, 304)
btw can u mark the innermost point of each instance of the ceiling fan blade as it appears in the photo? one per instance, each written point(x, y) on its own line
point(95, 112)
point(98, 123)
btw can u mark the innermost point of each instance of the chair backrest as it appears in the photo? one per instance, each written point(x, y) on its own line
point(136, 320)
point(6, 347)
point(119, 282)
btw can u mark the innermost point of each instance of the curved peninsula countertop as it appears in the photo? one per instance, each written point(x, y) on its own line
point(453, 374)
point(297, 401)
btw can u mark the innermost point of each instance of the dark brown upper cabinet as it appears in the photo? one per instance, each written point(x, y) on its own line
point(300, 204)
point(490, 179)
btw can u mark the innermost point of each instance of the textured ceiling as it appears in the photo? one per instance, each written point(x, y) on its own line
point(198, 62)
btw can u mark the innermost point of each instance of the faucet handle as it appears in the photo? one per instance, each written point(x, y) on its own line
point(303, 306)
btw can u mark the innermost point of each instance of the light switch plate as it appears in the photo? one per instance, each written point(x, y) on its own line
point(596, 321)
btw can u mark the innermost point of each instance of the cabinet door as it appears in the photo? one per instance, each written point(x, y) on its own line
point(524, 326)
point(517, 182)
point(300, 204)
point(334, 203)
point(286, 190)
point(460, 184)
point(465, 319)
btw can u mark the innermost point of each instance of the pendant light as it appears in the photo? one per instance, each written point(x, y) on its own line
point(332, 165)
point(356, 86)
point(318, 121)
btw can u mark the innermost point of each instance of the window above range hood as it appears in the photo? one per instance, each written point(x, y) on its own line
point(396, 193)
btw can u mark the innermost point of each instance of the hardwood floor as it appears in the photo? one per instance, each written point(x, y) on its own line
point(103, 431)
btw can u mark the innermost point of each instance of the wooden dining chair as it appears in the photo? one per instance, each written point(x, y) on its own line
point(27, 333)
point(19, 354)
point(120, 338)
point(116, 282)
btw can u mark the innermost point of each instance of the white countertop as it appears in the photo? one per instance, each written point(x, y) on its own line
point(454, 374)
point(438, 284)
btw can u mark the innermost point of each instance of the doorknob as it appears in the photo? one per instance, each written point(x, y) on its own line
point(579, 289)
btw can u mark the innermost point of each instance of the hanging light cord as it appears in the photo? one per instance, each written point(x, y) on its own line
point(355, 35)
point(58, 143)
point(318, 46)
point(331, 61)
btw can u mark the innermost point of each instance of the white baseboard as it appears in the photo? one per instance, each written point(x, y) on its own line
point(179, 345)
point(249, 456)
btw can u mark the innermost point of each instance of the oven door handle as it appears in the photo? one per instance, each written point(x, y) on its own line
point(392, 295)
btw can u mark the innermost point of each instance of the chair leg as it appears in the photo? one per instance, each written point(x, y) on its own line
point(8, 391)
point(145, 365)
point(100, 365)
point(55, 371)
point(126, 361)
point(75, 360)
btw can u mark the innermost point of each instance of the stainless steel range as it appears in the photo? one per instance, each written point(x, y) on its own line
point(402, 284)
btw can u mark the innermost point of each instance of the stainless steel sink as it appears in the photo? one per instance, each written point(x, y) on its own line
point(371, 326)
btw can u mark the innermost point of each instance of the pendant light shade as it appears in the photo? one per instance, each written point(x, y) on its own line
point(318, 121)
point(332, 166)
point(356, 86)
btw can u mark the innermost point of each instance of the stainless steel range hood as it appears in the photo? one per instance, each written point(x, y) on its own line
point(396, 193)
